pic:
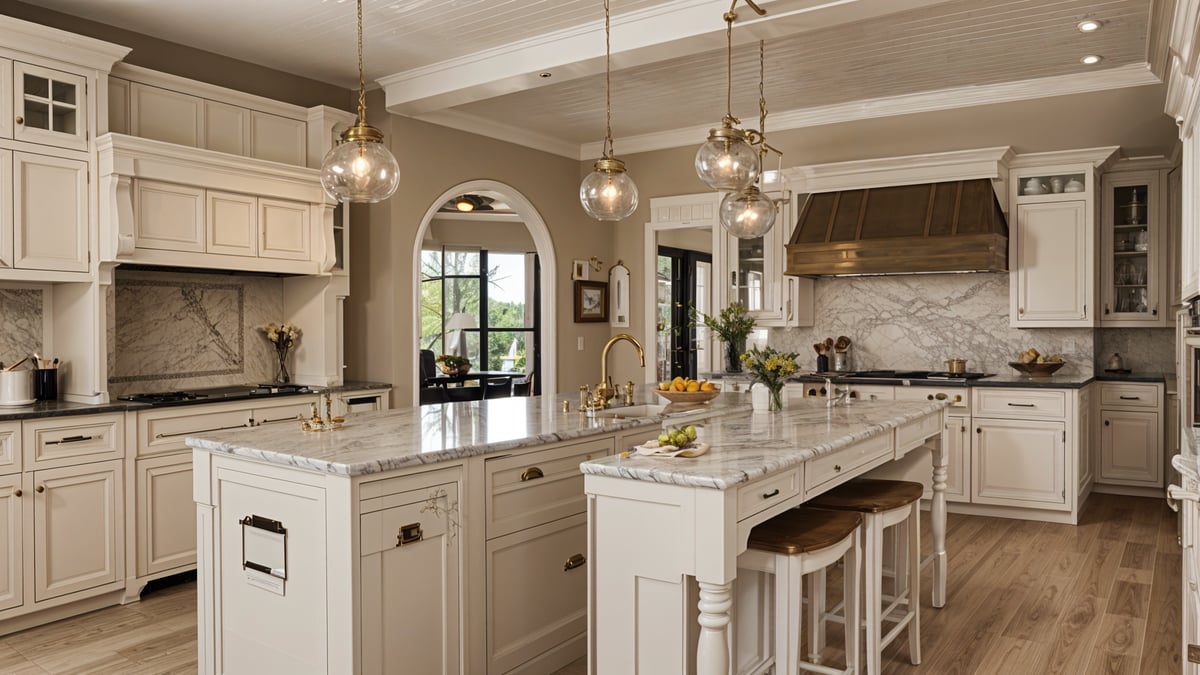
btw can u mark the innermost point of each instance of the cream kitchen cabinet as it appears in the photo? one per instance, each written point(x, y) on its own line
point(188, 219)
point(1131, 435)
point(77, 528)
point(165, 520)
point(48, 229)
point(1019, 463)
point(410, 559)
point(12, 501)
point(1085, 466)
point(1134, 254)
point(49, 106)
point(956, 440)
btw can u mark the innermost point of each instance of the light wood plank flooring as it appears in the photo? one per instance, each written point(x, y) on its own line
point(1024, 597)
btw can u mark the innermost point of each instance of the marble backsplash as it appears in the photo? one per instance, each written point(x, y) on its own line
point(916, 322)
point(20, 323)
point(1143, 350)
point(171, 331)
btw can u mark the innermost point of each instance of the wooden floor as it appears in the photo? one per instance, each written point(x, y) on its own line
point(1024, 598)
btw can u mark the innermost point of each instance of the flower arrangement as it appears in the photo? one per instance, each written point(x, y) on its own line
point(733, 325)
point(771, 368)
point(282, 338)
point(452, 363)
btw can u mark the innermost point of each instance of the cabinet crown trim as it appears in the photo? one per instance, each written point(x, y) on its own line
point(211, 91)
point(32, 38)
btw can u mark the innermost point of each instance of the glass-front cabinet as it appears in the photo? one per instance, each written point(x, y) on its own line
point(49, 106)
point(1133, 250)
point(753, 270)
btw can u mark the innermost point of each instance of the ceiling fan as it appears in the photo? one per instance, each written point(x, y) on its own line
point(468, 204)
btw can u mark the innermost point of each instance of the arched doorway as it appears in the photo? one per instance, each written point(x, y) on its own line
point(538, 232)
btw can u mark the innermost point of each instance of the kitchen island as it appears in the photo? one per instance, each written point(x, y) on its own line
point(653, 522)
point(415, 536)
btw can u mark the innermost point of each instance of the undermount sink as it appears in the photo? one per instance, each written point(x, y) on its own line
point(643, 410)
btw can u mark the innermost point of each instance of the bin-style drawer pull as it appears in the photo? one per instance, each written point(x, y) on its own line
point(772, 493)
point(1023, 405)
point(532, 473)
point(409, 534)
point(1131, 398)
point(577, 560)
point(70, 439)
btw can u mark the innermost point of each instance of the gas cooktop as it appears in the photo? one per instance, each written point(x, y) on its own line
point(914, 375)
point(213, 395)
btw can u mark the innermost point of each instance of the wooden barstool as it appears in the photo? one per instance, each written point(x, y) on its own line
point(883, 504)
point(791, 545)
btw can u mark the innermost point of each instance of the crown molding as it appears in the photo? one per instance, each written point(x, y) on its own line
point(1100, 158)
point(25, 36)
point(936, 167)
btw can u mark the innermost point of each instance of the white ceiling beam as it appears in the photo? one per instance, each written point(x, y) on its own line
point(666, 31)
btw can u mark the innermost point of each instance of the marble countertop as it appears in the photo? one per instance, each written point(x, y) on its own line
point(380, 441)
point(65, 408)
point(748, 446)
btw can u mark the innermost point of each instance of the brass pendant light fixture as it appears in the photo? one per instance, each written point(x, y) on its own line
point(608, 193)
point(727, 161)
point(748, 213)
point(360, 168)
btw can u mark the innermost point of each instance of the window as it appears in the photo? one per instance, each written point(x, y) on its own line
point(482, 305)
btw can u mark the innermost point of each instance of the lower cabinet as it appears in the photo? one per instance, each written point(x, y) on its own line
point(166, 515)
point(916, 467)
point(410, 559)
point(11, 558)
point(77, 529)
point(1019, 463)
point(1130, 451)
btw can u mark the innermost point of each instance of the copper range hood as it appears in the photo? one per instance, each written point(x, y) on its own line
point(954, 226)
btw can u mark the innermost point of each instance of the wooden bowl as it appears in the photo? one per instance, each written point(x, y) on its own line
point(688, 396)
point(1037, 369)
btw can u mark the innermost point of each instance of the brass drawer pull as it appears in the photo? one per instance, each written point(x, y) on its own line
point(770, 494)
point(1023, 405)
point(532, 473)
point(293, 418)
point(409, 534)
point(70, 439)
point(201, 431)
point(577, 560)
point(1131, 398)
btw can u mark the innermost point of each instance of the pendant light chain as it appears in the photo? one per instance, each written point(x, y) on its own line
point(362, 85)
point(762, 96)
point(608, 141)
point(729, 19)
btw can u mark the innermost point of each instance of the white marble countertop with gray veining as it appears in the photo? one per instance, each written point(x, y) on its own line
point(747, 446)
point(374, 442)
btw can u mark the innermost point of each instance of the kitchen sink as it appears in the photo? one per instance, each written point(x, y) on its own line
point(643, 410)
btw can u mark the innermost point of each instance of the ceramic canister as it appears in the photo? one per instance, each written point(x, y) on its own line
point(16, 387)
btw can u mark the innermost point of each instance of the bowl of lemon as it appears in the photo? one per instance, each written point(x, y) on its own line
point(685, 390)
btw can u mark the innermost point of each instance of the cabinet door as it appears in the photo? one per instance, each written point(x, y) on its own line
point(6, 94)
point(226, 127)
point(277, 139)
point(1133, 258)
point(1053, 265)
point(166, 515)
point(6, 209)
point(50, 208)
point(410, 561)
point(283, 229)
point(536, 591)
point(1130, 450)
point(77, 528)
point(165, 115)
point(169, 217)
point(49, 107)
point(1019, 463)
point(232, 221)
point(11, 560)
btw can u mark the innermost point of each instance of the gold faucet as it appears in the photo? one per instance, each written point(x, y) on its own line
point(605, 390)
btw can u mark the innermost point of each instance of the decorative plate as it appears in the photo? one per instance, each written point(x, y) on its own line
point(651, 447)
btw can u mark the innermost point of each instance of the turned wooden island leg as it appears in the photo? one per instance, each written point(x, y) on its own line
point(712, 650)
point(937, 518)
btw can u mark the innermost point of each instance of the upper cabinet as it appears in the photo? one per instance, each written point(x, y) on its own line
point(1133, 255)
point(1052, 238)
point(754, 271)
point(49, 106)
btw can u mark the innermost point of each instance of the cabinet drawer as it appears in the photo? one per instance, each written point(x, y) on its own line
point(767, 492)
point(1129, 395)
point(1020, 403)
point(959, 397)
point(914, 433)
point(826, 471)
point(58, 441)
point(282, 414)
point(163, 431)
point(537, 487)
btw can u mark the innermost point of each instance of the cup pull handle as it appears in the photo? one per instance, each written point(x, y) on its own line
point(577, 560)
point(532, 473)
point(409, 534)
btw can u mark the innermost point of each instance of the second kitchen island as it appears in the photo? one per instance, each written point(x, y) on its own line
point(450, 539)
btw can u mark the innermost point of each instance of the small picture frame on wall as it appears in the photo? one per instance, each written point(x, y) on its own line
point(591, 301)
point(579, 270)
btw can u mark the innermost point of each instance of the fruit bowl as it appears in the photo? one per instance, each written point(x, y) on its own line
point(688, 396)
point(1038, 369)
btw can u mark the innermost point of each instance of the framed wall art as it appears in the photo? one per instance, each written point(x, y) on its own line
point(591, 301)
point(579, 270)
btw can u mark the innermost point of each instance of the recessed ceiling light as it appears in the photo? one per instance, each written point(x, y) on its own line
point(546, 74)
point(1091, 59)
point(1089, 25)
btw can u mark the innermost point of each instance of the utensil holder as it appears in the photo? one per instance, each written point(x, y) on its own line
point(16, 387)
point(841, 362)
point(45, 384)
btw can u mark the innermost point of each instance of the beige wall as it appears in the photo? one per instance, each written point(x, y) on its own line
point(505, 236)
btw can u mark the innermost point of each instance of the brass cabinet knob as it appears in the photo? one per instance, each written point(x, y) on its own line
point(17, 492)
point(941, 397)
point(40, 489)
point(19, 120)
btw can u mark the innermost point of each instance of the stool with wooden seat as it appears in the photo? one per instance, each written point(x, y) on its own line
point(883, 504)
point(791, 545)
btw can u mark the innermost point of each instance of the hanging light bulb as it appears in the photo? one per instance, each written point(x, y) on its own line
point(360, 168)
point(748, 214)
point(608, 193)
point(728, 161)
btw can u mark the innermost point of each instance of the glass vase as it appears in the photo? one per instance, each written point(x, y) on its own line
point(733, 356)
point(282, 376)
point(775, 399)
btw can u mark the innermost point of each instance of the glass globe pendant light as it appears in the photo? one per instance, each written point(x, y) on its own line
point(360, 168)
point(748, 214)
point(728, 161)
point(608, 193)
